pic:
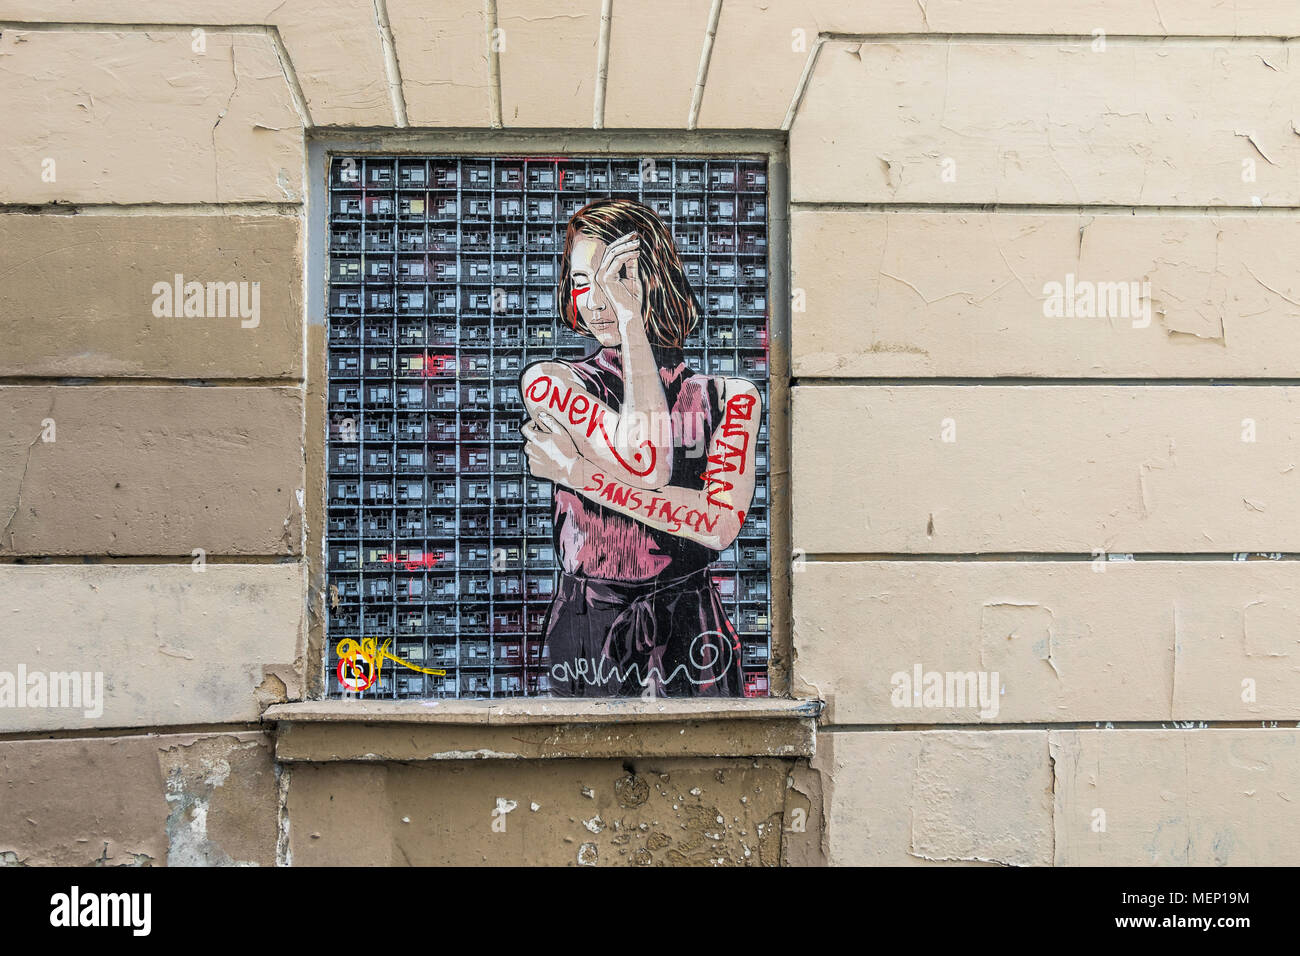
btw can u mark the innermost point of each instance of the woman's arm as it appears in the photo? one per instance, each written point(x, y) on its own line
point(643, 415)
point(711, 516)
point(635, 443)
point(552, 389)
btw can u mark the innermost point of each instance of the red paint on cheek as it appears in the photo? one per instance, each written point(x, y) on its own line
point(573, 318)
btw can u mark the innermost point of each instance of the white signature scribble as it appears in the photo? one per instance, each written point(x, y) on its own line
point(601, 670)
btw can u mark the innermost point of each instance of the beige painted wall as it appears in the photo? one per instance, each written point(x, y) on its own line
point(971, 469)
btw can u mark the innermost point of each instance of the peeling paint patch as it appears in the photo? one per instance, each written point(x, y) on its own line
point(982, 798)
point(270, 691)
point(1270, 628)
point(205, 777)
point(632, 791)
point(1007, 625)
point(1201, 324)
point(481, 754)
point(284, 183)
point(187, 826)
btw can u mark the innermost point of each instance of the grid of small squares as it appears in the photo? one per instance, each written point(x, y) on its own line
point(441, 290)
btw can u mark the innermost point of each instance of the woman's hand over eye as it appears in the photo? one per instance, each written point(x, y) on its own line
point(619, 275)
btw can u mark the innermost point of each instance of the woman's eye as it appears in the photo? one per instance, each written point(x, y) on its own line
point(581, 290)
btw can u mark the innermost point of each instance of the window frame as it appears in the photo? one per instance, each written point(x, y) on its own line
point(772, 146)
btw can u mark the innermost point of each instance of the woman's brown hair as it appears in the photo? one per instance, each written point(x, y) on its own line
point(668, 302)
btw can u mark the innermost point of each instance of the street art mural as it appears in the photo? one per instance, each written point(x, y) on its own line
point(642, 507)
point(548, 455)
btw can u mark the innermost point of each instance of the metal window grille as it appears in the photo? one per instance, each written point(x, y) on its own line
point(441, 289)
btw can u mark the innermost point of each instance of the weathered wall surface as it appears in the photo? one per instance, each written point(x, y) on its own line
point(553, 813)
point(151, 462)
point(971, 450)
point(177, 647)
point(175, 799)
point(87, 297)
point(974, 441)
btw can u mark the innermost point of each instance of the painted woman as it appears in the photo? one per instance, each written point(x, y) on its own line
point(653, 466)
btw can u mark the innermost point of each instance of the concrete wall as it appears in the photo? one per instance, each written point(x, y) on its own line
point(970, 456)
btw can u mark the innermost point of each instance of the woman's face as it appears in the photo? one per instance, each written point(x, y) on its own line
point(594, 309)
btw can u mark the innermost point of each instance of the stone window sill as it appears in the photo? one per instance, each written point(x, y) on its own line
point(542, 729)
